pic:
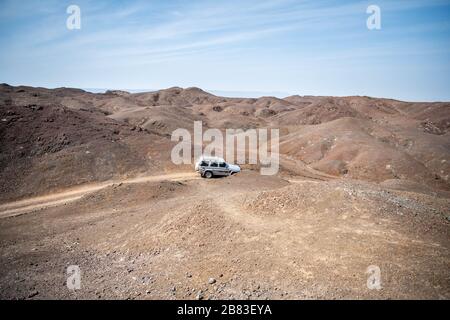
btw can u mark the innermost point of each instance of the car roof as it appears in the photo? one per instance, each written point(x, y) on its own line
point(203, 158)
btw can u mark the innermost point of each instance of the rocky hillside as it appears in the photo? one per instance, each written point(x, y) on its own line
point(54, 138)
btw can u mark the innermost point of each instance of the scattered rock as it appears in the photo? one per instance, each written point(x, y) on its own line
point(199, 295)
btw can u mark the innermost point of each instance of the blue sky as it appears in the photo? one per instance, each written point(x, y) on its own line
point(257, 46)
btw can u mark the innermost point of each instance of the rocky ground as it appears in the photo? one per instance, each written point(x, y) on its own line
point(241, 237)
point(86, 180)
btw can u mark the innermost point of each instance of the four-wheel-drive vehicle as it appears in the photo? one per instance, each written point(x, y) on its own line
point(209, 167)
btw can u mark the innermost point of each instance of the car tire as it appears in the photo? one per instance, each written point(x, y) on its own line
point(208, 174)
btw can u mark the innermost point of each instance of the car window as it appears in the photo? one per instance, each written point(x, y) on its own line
point(222, 165)
point(203, 164)
point(214, 164)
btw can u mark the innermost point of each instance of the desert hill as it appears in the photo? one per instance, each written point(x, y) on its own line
point(66, 133)
point(86, 179)
point(46, 145)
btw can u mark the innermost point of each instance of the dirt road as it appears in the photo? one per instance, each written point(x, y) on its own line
point(65, 196)
point(58, 198)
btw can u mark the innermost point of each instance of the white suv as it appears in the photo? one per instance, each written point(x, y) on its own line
point(214, 166)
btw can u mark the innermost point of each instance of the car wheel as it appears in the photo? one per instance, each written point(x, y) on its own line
point(208, 174)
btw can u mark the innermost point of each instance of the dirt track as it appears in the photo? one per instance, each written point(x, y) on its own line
point(61, 198)
point(258, 237)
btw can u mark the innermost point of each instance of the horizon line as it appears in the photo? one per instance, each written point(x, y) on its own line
point(246, 94)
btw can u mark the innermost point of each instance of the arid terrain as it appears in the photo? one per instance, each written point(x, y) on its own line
point(86, 179)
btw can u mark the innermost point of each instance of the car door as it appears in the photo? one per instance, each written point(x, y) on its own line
point(203, 166)
point(224, 171)
point(214, 167)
